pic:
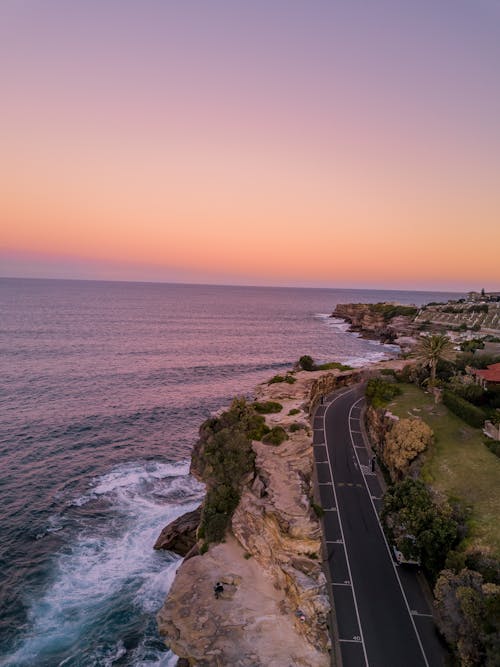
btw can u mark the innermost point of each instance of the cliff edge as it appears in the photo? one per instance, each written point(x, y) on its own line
point(274, 609)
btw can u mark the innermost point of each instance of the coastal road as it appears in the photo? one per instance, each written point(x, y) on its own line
point(382, 616)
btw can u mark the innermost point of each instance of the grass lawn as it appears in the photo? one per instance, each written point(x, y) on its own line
point(459, 464)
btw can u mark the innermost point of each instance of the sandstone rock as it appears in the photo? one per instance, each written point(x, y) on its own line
point(180, 535)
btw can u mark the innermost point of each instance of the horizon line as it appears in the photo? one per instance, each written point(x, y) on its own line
point(196, 284)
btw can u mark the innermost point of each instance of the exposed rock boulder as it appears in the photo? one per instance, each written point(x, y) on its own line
point(180, 535)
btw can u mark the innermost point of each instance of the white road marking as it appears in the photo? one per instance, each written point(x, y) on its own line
point(342, 530)
point(418, 613)
point(387, 546)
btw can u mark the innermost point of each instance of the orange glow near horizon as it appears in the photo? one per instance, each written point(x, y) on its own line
point(252, 171)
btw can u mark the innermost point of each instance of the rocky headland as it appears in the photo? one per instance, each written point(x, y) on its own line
point(385, 322)
point(274, 609)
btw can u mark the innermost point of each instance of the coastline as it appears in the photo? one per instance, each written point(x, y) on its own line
point(275, 607)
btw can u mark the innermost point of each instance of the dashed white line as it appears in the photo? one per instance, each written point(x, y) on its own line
point(418, 613)
point(342, 530)
point(387, 546)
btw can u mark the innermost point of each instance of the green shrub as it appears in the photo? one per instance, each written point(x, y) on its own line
point(223, 456)
point(267, 407)
point(473, 393)
point(276, 436)
point(288, 378)
point(471, 414)
point(472, 345)
point(259, 432)
point(306, 362)
point(203, 548)
point(379, 392)
point(296, 426)
point(333, 365)
point(389, 310)
point(421, 529)
point(318, 510)
point(247, 556)
point(293, 411)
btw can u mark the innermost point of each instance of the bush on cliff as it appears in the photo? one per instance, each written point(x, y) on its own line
point(289, 379)
point(306, 362)
point(331, 365)
point(223, 457)
point(379, 392)
point(267, 407)
point(390, 310)
point(276, 436)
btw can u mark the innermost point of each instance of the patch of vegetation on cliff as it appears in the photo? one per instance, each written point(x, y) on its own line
point(390, 310)
point(276, 436)
point(267, 407)
point(307, 363)
point(331, 365)
point(379, 392)
point(288, 378)
point(223, 457)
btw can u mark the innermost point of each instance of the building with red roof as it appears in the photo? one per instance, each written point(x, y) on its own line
point(487, 376)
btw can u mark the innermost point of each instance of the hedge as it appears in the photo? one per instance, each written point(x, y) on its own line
point(471, 414)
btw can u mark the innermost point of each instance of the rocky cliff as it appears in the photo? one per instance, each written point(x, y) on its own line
point(274, 609)
point(381, 321)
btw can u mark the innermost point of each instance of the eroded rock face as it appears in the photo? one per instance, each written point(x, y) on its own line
point(372, 324)
point(180, 535)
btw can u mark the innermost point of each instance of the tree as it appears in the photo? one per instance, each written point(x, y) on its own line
point(306, 362)
point(467, 612)
point(404, 442)
point(420, 528)
point(432, 349)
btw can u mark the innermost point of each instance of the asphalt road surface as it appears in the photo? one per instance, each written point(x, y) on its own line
point(383, 618)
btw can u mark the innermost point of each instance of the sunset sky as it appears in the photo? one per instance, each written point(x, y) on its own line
point(337, 143)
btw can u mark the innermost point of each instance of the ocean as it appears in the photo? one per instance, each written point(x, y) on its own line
point(103, 388)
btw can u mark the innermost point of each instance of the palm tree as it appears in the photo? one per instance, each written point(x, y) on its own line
point(431, 349)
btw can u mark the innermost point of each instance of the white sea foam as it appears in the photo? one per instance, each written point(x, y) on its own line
point(113, 567)
point(335, 323)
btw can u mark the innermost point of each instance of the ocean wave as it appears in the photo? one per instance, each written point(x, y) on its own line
point(109, 576)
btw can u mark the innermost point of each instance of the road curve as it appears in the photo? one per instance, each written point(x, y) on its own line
point(383, 619)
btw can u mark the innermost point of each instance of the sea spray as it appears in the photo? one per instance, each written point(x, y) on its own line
point(107, 582)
